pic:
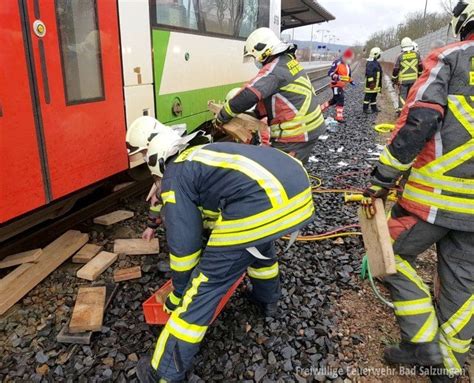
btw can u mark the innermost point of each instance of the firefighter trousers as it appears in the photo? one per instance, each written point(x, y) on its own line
point(451, 323)
point(216, 272)
point(370, 99)
point(403, 94)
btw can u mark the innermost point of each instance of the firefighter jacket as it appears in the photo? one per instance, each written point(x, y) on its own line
point(254, 194)
point(434, 140)
point(340, 74)
point(408, 68)
point(373, 76)
point(284, 94)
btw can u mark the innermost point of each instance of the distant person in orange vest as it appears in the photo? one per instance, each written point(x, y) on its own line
point(341, 75)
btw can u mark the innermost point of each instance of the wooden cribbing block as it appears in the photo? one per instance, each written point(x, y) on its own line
point(88, 312)
point(96, 266)
point(86, 253)
point(114, 217)
point(13, 275)
point(136, 246)
point(18, 259)
point(377, 242)
point(240, 127)
point(53, 256)
point(127, 274)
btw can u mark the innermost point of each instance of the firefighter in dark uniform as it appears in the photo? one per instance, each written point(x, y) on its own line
point(282, 92)
point(373, 80)
point(434, 142)
point(257, 195)
point(406, 71)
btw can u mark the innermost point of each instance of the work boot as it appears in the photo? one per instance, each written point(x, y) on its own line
point(375, 109)
point(147, 374)
point(366, 110)
point(268, 309)
point(422, 354)
point(442, 378)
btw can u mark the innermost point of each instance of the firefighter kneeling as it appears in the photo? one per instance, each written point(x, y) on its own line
point(434, 141)
point(257, 195)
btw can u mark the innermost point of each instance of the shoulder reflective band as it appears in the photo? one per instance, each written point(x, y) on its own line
point(168, 197)
point(184, 263)
point(273, 188)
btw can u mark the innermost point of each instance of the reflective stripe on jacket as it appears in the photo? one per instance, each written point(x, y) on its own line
point(373, 77)
point(407, 68)
point(440, 187)
point(283, 93)
point(255, 195)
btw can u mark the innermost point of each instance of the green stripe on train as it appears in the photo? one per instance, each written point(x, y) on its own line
point(193, 102)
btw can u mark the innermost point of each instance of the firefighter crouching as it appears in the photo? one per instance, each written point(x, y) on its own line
point(282, 92)
point(407, 69)
point(373, 81)
point(256, 194)
point(434, 140)
point(341, 75)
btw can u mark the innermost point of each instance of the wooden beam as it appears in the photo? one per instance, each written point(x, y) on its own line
point(14, 275)
point(241, 127)
point(377, 242)
point(88, 312)
point(136, 246)
point(96, 266)
point(114, 217)
point(18, 259)
point(127, 274)
point(86, 253)
point(53, 256)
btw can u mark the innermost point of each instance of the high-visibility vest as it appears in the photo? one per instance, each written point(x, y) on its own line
point(409, 63)
point(441, 182)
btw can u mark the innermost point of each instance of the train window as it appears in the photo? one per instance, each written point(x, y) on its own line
point(80, 50)
point(175, 13)
point(233, 18)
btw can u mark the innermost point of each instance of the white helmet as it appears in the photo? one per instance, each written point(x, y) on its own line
point(138, 135)
point(375, 53)
point(263, 43)
point(407, 44)
point(165, 145)
point(463, 14)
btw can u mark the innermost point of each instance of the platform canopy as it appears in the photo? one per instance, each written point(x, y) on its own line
point(298, 13)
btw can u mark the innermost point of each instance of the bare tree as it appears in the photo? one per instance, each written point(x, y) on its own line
point(448, 5)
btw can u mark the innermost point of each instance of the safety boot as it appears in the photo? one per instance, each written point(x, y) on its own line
point(375, 108)
point(147, 374)
point(268, 309)
point(422, 354)
point(365, 110)
point(442, 379)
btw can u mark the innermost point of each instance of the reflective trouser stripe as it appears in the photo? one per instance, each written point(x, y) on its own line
point(160, 348)
point(388, 159)
point(184, 263)
point(298, 125)
point(185, 331)
point(417, 307)
point(449, 343)
point(263, 272)
point(177, 326)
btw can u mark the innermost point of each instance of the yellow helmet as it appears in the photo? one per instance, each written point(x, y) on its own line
point(463, 14)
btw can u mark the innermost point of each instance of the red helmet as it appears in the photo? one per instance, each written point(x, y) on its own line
point(348, 54)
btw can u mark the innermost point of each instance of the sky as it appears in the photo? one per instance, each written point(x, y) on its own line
point(356, 20)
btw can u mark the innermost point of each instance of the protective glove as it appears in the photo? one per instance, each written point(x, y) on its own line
point(370, 194)
point(371, 85)
point(172, 302)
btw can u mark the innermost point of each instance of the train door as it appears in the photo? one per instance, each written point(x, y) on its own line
point(21, 171)
point(76, 53)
